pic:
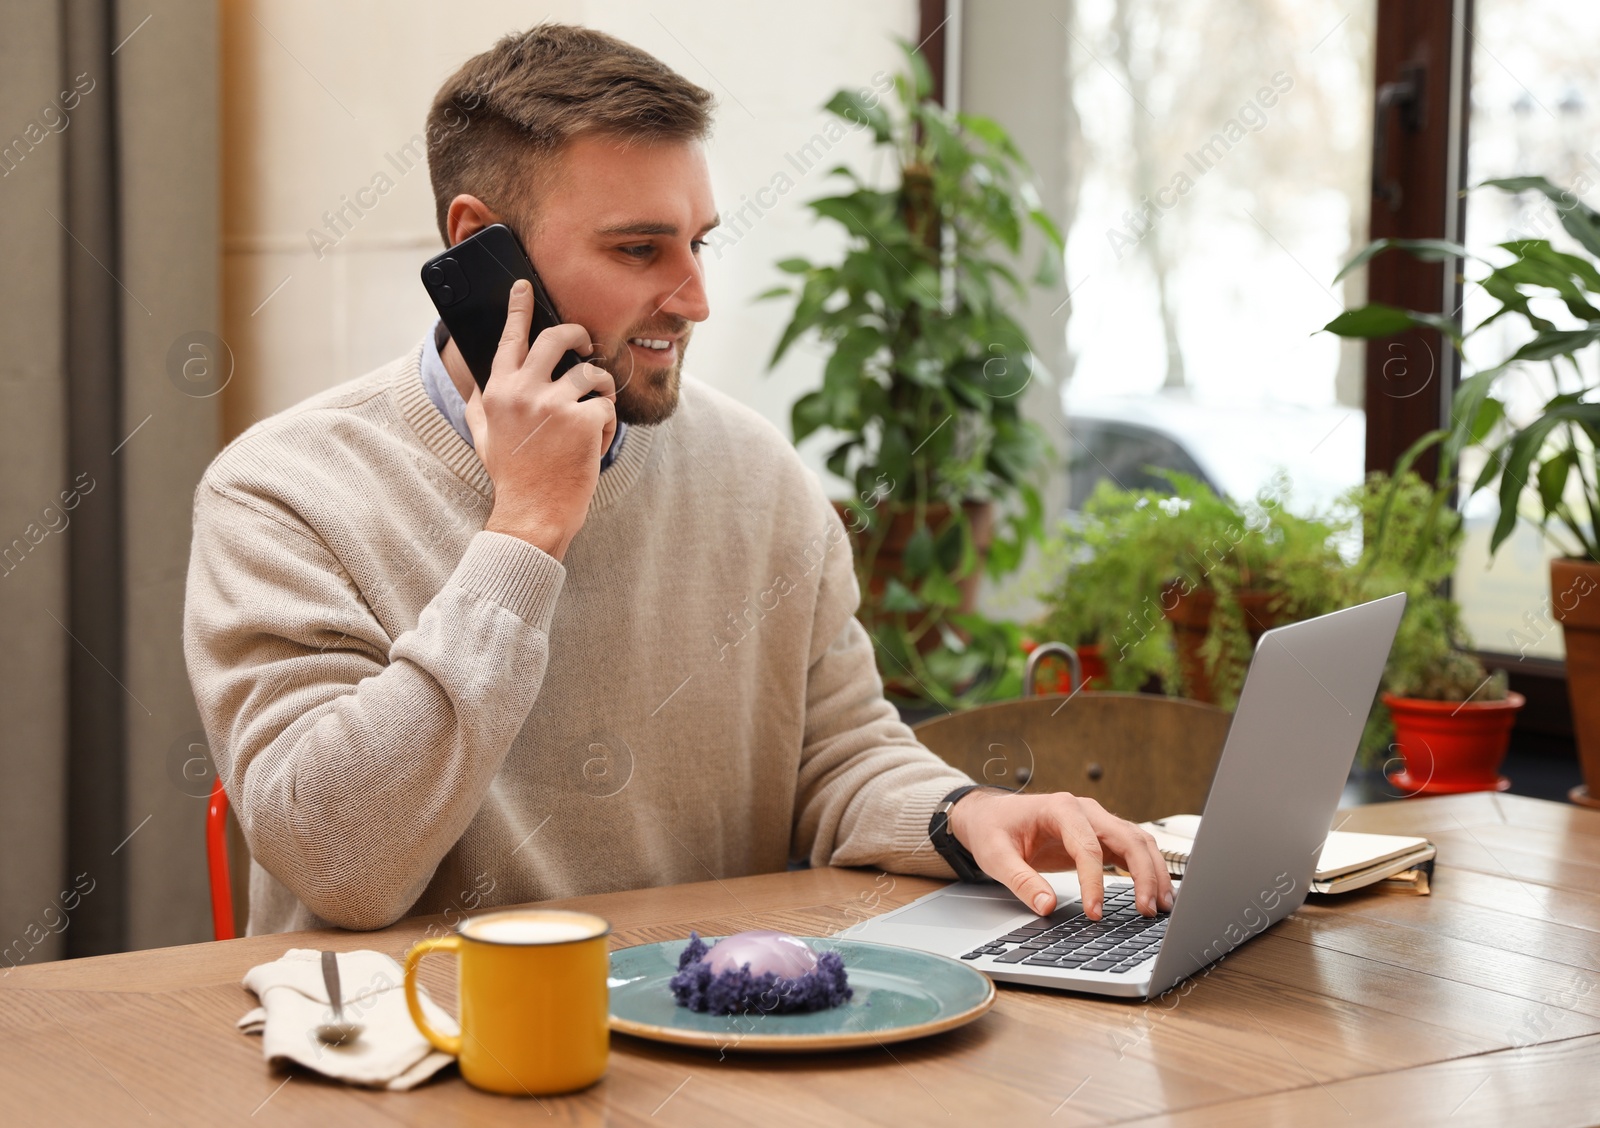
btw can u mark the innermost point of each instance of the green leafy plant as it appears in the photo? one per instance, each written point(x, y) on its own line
point(1412, 541)
point(1113, 570)
point(1288, 563)
point(1550, 459)
point(1095, 591)
point(1122, 568)
point(924, 375)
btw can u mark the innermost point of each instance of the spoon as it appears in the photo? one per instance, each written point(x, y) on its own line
point(337, 1032)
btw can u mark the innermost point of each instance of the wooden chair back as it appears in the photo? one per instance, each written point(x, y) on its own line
point(1143, 757)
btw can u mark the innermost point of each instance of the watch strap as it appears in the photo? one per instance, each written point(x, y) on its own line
point(958, 857)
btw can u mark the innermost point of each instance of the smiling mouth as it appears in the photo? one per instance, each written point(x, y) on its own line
point(655, 344)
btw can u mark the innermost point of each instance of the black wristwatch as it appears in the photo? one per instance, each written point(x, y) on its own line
point(948, 845)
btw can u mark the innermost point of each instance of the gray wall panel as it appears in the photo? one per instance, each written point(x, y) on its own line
point(33, 471)
point(170, 90)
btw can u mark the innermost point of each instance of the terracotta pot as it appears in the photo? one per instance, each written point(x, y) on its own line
point(1451, 747)
point(1575, 603)
point(1190, 616)
point(891, 554)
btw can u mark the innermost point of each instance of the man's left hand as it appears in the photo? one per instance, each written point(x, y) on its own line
point(1013, 837)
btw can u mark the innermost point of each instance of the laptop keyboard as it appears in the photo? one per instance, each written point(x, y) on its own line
point(1117, 943)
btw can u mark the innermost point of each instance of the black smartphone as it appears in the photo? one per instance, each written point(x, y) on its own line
point(470, 285)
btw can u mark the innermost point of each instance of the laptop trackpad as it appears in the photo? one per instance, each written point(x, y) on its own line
point(955, 911)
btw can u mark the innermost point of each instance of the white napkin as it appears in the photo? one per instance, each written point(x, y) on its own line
point(390, 1053)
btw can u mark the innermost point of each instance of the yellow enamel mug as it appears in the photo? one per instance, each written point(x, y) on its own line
point(533, 1000)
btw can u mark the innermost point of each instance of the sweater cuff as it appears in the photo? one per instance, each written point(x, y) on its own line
point(911, 826)
point(511, 572)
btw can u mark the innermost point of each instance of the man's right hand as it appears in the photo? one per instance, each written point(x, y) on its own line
point(541, 447)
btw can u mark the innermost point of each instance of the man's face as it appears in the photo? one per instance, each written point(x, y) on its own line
point(617, 243)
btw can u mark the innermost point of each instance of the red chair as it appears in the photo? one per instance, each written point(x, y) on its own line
point(217, 863)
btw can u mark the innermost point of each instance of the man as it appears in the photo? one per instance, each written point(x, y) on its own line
point(457, 649)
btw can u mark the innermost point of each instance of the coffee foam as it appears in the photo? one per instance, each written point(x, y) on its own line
point(534, 927)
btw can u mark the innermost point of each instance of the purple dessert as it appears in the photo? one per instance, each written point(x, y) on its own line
point(762, 972)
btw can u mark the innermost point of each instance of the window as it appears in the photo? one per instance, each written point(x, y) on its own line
point(1215, 206)
point(1535, 110)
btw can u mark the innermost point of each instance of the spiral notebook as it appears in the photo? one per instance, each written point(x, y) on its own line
point(1349, 860)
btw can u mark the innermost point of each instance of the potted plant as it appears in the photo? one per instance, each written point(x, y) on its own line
point(1078, 619)
point(923, 380)
point(1092, 585)
point(1547, 461)
point(1181, 586)
point(1452, 720)
point(1243, 570)
point(1447, 717)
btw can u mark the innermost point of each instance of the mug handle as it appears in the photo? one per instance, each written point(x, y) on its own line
point(445, 1043)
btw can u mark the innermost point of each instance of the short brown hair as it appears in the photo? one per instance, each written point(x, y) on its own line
point(496, 122)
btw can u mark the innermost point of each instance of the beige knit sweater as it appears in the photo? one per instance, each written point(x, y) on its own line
point(412, 715)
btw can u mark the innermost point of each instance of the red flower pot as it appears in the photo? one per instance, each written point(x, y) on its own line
point(1096, 675)
point(1451, 747)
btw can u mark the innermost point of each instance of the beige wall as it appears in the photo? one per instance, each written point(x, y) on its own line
point(314, 97)
point(317, 95)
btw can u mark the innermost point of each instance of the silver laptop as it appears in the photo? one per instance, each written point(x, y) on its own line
point(1283, 768)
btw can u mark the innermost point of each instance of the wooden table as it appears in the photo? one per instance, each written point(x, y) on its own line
point(1474, 1006)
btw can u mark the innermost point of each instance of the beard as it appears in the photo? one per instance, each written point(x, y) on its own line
point(646, 395)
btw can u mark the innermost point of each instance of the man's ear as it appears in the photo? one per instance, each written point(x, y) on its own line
point(467, 216)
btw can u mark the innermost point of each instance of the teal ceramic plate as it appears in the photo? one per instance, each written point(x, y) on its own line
point(899, 994)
